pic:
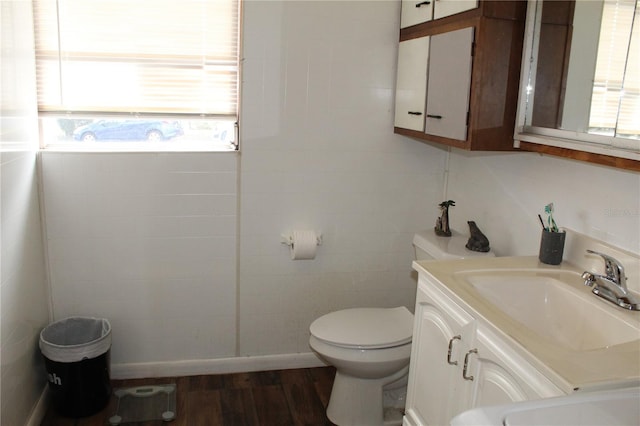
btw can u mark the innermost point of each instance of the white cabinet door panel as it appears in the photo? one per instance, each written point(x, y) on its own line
point(411, 86)
point(503, 376)
point(415, 12)
point(435, 372)
point(449, 84)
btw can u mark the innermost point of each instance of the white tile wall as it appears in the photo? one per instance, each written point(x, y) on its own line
point(319, 153)
point(148, 241)
point(504, 193)
point(23, 296)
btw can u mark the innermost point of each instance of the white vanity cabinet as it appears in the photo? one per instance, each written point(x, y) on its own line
point(441, 336)
point(433, 84)
point(416, 12)
point(459, 362)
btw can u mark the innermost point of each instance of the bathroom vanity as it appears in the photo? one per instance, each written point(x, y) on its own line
point(499, 330)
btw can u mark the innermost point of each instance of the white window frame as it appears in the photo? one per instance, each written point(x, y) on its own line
point(195, 81)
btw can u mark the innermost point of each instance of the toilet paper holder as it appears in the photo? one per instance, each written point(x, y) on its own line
point(288, 239)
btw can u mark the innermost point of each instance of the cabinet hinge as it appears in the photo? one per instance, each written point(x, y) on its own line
point(473, 49)
point(468, 114)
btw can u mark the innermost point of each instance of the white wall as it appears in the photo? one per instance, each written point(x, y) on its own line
point(23, 298)
point(504, 192)
point(319, 153)
point(149, 240)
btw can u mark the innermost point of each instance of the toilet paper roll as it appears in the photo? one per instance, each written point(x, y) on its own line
point(304, 244)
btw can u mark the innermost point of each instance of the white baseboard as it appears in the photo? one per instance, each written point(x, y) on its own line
point(215, 366)
point(35, 419)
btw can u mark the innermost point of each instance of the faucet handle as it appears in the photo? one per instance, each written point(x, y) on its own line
point(613, 268)
point(589, 278)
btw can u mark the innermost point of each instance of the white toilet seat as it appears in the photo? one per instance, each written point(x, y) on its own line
point(365, 328)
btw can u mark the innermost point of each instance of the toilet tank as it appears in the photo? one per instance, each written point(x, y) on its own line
point(428, 245)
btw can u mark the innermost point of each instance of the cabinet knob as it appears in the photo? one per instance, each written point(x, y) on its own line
point(466, 364)
point(458, 337)
point(424, 3)
point(434, 116)
point(415, 113)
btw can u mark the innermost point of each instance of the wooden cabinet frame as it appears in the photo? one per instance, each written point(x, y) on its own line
point(499, 32)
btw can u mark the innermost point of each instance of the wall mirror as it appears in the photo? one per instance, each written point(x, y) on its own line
point(580, 81)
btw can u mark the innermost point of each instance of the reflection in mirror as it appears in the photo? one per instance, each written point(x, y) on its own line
point(615, 104)
point(586, 63)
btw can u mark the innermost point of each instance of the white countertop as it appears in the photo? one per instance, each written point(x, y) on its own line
point(570, 369)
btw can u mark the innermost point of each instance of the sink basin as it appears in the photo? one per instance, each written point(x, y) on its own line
point(548, 305)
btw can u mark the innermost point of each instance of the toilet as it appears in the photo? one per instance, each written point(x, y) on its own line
point(370, 347)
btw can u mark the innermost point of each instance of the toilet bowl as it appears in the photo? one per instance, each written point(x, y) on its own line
point(370, 347)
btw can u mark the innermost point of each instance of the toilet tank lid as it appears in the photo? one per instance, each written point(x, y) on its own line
point(371, 328)
point(452, 247)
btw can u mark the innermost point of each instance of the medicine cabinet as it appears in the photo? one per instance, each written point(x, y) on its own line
point(580, 81)
point(458, 74)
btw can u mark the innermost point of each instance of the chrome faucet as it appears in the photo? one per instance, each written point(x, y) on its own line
point(613, 285)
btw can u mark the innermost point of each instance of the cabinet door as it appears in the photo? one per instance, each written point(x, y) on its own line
point(411, 86)
point(444, 8)
point(434, 371)
point(415, 12)
point(501, 376)
point(449, 84)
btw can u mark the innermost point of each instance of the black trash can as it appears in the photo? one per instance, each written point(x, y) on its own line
point(76, 352)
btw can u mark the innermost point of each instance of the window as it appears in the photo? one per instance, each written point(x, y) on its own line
point(142, 71)
point(615, 104)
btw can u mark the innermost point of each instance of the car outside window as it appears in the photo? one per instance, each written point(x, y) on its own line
point(139, 133)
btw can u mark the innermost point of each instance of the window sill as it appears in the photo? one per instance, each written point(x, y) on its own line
point(120, 147)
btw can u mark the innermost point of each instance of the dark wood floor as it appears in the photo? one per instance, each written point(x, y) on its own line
point(266, 398)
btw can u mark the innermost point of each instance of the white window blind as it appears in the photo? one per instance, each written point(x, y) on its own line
point(615, 104)
point(137, 56)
